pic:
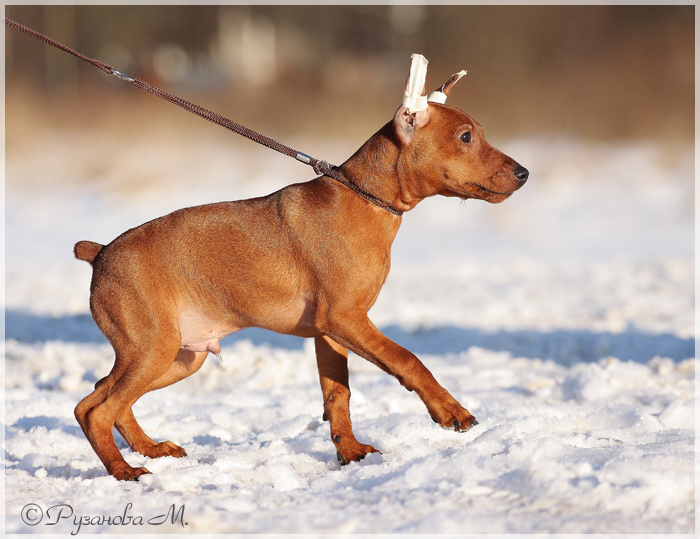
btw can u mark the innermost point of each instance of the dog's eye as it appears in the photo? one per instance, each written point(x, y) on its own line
point(466, 137)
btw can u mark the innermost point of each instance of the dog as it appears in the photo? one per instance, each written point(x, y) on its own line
point(308, 260)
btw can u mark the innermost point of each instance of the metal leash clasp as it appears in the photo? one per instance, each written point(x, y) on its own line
point(122, 76)
point(306, 159)
point(320, 166)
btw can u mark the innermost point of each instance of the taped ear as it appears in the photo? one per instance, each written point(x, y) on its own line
point(406, 123)
point(414, 96)
point(413, 112)
point(440, 95)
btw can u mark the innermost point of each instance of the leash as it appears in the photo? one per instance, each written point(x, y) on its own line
point(319, 166)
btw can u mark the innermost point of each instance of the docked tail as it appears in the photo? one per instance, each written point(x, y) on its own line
point(87, 250)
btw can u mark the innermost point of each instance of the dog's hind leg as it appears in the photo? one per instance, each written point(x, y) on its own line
point(186, 363)
point(135, 369)
point(332, 362)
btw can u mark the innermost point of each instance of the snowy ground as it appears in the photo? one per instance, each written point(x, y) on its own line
point(562, 318)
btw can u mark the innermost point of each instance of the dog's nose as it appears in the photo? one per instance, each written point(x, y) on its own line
point(521, 173)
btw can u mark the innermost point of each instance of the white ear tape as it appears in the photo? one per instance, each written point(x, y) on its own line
point(413, 98)
point(440, 96)
point(437, 97)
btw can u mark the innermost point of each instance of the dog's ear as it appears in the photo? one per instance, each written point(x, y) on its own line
point(413, 112)
point(440, 95)
point(406, 123)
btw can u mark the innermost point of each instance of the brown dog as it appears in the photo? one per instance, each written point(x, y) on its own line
point(308, 260)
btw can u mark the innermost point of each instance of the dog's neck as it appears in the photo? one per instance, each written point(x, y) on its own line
point(380, 169)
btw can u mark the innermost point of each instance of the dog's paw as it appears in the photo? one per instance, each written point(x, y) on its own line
point(162, 449)
point(459, 420)
point(127, 473)
point(459, 427)
point(351, 450)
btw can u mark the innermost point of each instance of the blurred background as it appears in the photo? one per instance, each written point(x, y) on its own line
point(597, 101)
point(596, 71)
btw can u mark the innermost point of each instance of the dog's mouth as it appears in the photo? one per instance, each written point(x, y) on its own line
point(486, 194)
point(492, 189)
point(484, 189)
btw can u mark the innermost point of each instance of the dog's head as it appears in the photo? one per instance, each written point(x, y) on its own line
point(446, 148)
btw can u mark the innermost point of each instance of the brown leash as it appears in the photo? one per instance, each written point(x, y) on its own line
point(320, 166)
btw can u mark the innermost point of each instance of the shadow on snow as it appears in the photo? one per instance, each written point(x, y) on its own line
point(562, 346)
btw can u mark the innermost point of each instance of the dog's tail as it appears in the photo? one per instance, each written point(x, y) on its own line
point(87, 250)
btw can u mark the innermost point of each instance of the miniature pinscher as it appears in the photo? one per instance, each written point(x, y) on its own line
point(308, 260)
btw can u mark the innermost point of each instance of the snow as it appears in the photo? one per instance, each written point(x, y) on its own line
point(563, 319)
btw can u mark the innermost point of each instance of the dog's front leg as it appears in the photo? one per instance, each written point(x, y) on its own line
point(359, 334)
point(332, 360)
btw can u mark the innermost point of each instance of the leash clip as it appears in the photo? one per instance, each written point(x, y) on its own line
point(122, 76)
point(306, 159)
point(321, 167)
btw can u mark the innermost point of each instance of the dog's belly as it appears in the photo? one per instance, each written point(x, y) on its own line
point(199, 333)
point(202, 332)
